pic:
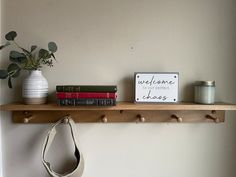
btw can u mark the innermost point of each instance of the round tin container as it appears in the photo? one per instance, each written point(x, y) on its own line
point(204, 92)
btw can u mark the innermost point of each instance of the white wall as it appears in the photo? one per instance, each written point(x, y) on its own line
point(105, 42)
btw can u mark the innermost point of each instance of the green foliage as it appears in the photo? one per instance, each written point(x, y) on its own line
point(33, 47)
point(17, 57)
point(3, 74)
point(44, 54)
point(52, 47)
point(13, 70)
point(24, 59)
point(11, 36)
point(9, 82)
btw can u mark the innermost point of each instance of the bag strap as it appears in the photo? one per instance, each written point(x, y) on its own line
point(77, 172)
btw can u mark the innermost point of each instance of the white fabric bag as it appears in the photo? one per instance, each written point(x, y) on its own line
point(78, 170)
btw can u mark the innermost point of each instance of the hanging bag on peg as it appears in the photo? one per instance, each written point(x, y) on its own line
point(78, 170)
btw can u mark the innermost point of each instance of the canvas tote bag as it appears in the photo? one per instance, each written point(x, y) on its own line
point(78, 170)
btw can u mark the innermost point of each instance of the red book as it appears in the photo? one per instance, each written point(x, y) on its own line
point(62, 95)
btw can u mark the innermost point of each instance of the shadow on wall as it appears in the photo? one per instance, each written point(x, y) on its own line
point(187, 93)
point(126, 89)
point(10, 95)
point(52, 97)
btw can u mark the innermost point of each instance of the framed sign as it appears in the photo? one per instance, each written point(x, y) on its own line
point(156, 87)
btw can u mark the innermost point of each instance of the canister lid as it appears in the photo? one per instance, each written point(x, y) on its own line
point(205, 83)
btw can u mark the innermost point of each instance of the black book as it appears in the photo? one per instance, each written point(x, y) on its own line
point(86, 102)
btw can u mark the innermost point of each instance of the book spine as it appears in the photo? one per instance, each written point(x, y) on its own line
point(62, 95)
point(86, 88)
point(86, 102)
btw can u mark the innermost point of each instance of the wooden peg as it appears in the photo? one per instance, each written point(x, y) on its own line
point(25, 112)
point(121, 111)
point(27, 119)
point(141, 118)
point(215, 119)
point(104, 119)
point(179, 119)
point(213, 111)
point(66, 120)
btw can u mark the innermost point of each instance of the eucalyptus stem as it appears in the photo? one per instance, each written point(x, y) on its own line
point(17, 44)
point(11, 73)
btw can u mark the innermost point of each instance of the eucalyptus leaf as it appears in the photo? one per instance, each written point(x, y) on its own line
point(13, 70)
point(44, 54)
point(3, 74)
point(11, 36)
point(9, 82)
point(15, 54)
point(53, 56)
point(52, 46)
point(33, 47)
point(17, 57)
point(25, 51)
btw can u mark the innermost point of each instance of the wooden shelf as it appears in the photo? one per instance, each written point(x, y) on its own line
point(123, 112)
point(119, 106)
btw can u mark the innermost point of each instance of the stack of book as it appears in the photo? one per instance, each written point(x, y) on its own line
point(82, 95)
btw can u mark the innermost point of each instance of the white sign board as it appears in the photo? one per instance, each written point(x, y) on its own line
point(156, 87)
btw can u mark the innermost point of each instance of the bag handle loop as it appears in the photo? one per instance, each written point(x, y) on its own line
point(77, 172)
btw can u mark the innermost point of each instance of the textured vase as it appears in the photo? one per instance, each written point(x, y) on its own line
point(35, 88)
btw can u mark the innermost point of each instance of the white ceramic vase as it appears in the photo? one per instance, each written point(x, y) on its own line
point(35, 88)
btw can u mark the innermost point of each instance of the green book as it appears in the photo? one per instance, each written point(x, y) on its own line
point(86, 88)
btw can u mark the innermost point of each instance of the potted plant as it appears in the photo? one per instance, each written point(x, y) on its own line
point(35, 86)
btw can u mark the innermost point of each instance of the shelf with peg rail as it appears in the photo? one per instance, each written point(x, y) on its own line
point(122, 112)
